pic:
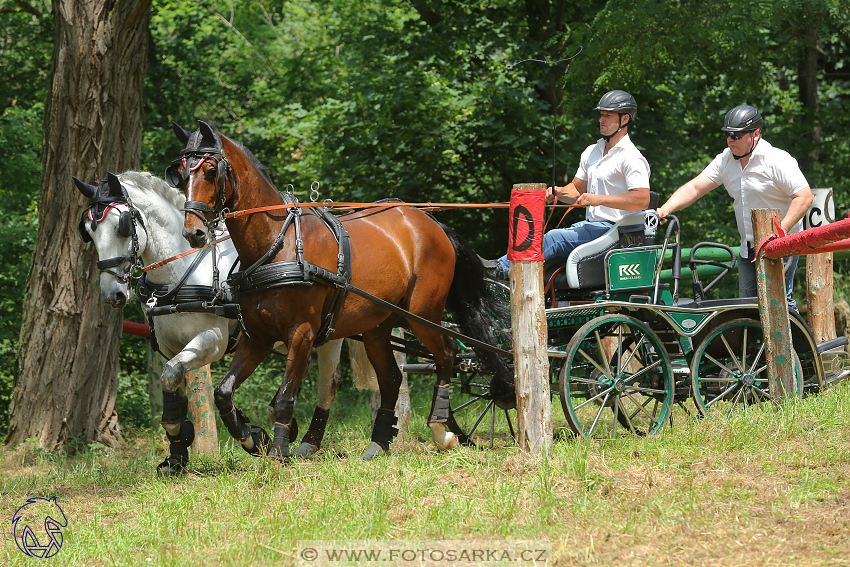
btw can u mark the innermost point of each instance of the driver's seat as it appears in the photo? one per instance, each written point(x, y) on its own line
point(585, 266)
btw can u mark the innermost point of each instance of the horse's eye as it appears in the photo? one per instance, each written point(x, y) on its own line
point(210, 174)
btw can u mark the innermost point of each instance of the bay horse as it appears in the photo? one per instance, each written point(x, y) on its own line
point(399, 256)
point(136, 217)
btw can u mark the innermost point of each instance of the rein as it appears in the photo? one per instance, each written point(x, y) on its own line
point(161, 263)
point(353, 206)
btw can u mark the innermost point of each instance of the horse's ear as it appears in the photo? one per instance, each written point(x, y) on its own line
point(182, 135)
point(114, 183)
point(209, 139)
point(87, 190)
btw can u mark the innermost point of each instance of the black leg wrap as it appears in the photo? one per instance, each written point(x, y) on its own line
point(383, 431)
point(440, 406)
point(235, 424)
point(178, 450)
point(280, 443)
point(316, 432)
point(174, 406)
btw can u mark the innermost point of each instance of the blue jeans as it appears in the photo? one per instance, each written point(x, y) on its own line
point(747, 278)
point(560, 242)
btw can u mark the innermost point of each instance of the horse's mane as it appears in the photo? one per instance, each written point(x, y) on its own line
point(148, 181)
point(257, 163)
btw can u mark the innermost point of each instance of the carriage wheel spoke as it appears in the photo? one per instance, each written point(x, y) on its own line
point(758, 358)
point(720, 364)
point(602, 393)
point(599, 413)
point(596, 364)
point(480, 418)
point(731, 354)
point(465, 404)
point(607, 371)
point(735, 401)
point(635, 350)
point(641, 407)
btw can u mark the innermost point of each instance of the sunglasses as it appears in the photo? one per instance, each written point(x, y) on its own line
point(738, 135)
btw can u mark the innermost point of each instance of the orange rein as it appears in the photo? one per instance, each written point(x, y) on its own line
point(161, 263)
point(351, 206)
point(389, 204)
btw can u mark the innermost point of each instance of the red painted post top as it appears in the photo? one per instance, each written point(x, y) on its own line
point(525, 235)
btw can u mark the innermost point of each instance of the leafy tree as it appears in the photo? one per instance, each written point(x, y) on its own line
point(25, 48)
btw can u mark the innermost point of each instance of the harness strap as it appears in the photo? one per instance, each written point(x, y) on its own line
point(261, 275)
point(421, 320)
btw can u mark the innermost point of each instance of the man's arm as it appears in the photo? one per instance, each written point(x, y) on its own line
point(687, 195)
point(800, 203)
point(568, 193)
point(632, 200)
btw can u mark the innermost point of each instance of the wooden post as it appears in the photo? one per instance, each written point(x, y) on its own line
point(773, 310)
point(202, 411)
point(819, 290)
point(528, 325)
point(402, 405)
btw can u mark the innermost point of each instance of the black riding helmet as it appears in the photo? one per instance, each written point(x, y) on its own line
point(618, 101)
point(742, 118)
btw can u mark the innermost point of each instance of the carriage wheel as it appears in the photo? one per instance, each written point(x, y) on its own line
point(477, 417)
point(729, 369)
point(616, 377)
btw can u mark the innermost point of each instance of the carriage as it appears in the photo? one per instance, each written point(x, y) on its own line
point(626, 349)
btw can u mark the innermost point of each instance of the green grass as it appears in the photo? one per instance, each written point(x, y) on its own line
point(767, 487)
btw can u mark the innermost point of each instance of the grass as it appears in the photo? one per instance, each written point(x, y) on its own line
point(770, 486)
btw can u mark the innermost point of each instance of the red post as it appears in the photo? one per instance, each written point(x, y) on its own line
point(528, 318)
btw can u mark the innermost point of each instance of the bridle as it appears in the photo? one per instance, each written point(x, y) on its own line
point(196, 158)
point(126, 228)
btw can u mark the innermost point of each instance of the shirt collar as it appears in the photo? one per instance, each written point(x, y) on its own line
point(624, 144)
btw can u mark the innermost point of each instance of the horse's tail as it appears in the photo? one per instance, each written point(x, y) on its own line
point(479, 313)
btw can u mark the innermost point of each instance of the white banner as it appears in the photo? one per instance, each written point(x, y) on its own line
point(822, 210)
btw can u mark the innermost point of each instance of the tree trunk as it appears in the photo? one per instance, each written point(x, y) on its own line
point(808, 84)
point(67, 365)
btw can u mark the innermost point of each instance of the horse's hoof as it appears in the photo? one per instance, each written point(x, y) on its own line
point(443, 438)
point(372, 451)
point(261, 441)
point(305, 451)
point(171, 466)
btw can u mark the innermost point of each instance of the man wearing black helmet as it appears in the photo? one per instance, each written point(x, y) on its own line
point(756, 175)
point(612, 177)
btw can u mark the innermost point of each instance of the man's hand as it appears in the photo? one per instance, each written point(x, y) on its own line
point(587, 200)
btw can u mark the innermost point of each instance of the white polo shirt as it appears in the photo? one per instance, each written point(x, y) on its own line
point(768, 181)
point(614, 173)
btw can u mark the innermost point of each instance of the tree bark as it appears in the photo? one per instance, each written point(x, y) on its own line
point(67, 364)
point(808, 84)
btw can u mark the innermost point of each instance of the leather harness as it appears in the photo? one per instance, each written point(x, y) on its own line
point(263, 275)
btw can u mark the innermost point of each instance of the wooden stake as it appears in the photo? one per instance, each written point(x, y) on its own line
point(773, 309)
point(202, 411)
point(531, 361)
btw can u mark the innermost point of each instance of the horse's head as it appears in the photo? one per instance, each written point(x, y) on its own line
point(203, 172)
point(110, 222)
